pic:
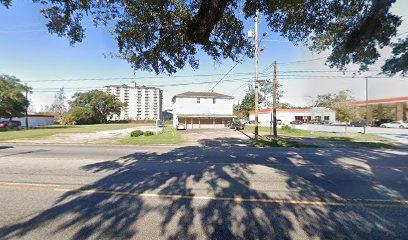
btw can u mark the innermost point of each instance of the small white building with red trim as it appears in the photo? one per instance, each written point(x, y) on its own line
point(288, 115)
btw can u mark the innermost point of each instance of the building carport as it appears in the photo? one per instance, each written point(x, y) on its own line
point(400, 105)
point(203, 121)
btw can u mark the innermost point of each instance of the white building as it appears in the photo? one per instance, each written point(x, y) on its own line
point(289, 115)
point(143, 103)
point(202, 109)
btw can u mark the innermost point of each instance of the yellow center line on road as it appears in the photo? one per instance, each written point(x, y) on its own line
point(357, 202)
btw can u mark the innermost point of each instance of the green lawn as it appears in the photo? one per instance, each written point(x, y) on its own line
point(367, 139)
point(168, 136)
point(57, 129)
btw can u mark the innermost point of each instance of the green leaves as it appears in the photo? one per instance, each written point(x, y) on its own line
point(165, 35)
point(399, 61)
point(329, 99)
point(152, 37)
point(341, 102)
point(93, 107)
point(13, 102)
point(347, 112)
point(6, 3)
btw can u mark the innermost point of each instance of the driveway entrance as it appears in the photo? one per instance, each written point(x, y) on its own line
point(207, 137)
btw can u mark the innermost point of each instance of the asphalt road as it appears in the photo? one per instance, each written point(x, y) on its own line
point(217, 190)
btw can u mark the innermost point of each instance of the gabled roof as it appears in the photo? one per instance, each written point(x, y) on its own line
point(201, 95)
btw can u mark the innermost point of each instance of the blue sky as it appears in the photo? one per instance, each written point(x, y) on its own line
point(29, 52)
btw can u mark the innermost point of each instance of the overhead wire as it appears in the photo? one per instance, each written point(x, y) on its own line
point(246, 80)
point(157, 85)
point(129, 78)
point(294, 62)
point(183, 76)
point(236, 64)
point(288, 74)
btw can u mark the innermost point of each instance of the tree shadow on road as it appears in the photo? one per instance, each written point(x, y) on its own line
point(223, 170)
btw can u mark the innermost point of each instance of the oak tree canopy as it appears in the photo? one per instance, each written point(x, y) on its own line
point(165, 35)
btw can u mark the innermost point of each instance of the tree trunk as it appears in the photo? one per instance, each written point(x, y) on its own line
point(10, 124)
point(202, 24)
point(346, 128)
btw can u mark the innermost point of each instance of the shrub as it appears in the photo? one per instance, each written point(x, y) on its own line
point(286, 128)
point(136, 133)
point(148, 133)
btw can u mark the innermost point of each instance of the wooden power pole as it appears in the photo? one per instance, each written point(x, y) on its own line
point(275, 85)
point(256, 75)
point(26, 108)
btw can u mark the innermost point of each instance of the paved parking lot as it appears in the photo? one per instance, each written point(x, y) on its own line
point(400, 135)
point(197, 136)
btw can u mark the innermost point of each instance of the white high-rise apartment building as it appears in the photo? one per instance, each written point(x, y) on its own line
point(143, 103)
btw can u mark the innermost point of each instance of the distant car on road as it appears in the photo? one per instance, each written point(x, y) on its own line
point(237, 125)
point(359, 124)
point(13, 123)
point(181, 126)
point(161, 123)
point(244, 121)
point(278, 122)
point(381, 121)
point(3, 125)
point(252, 122)
point(296, 122)
point(395, 124)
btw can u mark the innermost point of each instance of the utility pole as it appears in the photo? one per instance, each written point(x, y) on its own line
point(366, 104)
point(256, 75)
point(271, 124)
point(26, 110)
point(275, 85)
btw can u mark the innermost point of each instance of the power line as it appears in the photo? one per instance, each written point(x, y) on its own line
point(233, 91)
point(303, 61)
point(294, 62)
point(246, 79)
point(162, 85)
point(129, 78)
point(283, 75)
point(325, 71)
point(336, 77)
point(224, 76)
point(185, 76)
